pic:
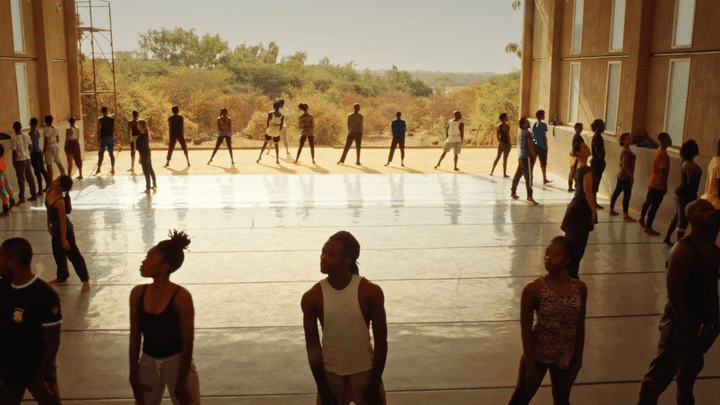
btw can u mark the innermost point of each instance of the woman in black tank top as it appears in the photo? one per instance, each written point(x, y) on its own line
point(162, 318)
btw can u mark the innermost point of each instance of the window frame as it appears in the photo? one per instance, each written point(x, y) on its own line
point(668, 93)
point(607, 97)
point(17, 24)
point(675, 25)
point(574, 24)
point(612, 26)
point(24, 118)
point(570, 92)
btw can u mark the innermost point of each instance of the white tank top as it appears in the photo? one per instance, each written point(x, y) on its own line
point(453, 131)
point(346, 347)
point(75, 134)
point(274, 127)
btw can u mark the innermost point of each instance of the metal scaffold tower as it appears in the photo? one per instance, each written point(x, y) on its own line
point(97, 63)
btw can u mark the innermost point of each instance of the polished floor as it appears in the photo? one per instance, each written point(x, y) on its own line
point(451, 251)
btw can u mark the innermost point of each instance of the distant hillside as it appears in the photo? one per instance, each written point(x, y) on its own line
point(454, 79)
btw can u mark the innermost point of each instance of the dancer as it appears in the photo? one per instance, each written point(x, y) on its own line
point(539, 139)
point(283, 130)
point(526, 152)
point(143, 147)
point(62, 232)
point(345, 366)
point(625, 178)
point(686, 191)
point(36, 157)
point(275, 122)
point(224, 134)
point(133, 133)
point(581, 215)
point(21, 146)
point(503, 137)
point(72, 148)
point(176, 124)
point(30, 324)
point(51, 149)
point(355, 133)
point(712, 184)
point(690, 323)
point(162, 316)
point(306, 122)
point(556, 341)
point(6, 191)
point(106, 128)
point(657, 184)
point(598, 156)
point(454, 137)
point(573, 159)
point(398, 128)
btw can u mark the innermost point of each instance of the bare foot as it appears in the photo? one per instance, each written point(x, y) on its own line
point(295, 161)
point(339, 163)
point(112, 171)
point(506, 176)
point(627, 218)
point(387, 164)
point(533, 201)
point(437, 167)
point(57, 282)
point(313, 161)
point(546, 181)
point(402, 164)
point(257, 161)
point(612, 212)
point(80, 177)
point(667, 242)
point(514, 196)
point(97, 172)
point(85, 286)
point(651, 231)
point(456, 169)
point(641, 222)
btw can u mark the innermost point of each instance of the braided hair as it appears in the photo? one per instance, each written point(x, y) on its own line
point(351, 249)
point(172, 249)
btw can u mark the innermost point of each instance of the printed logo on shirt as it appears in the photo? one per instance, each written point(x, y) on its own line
point(18, 315)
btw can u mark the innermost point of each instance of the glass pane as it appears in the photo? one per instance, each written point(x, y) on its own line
point(17, 26)
point(574, 92)
point(618, 25)
point(613, 96)
point(684, 22)
point(677, 100)
point(22, 93)
point(577, 26)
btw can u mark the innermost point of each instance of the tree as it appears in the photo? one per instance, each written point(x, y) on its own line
point(182, 47)
point(515, 47)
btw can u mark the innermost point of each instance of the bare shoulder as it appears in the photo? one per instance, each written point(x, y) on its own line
point(580, 286)
point(371, 290)
point(533, 288)
point(135, 293)
point(183, 295)
point(312, 298)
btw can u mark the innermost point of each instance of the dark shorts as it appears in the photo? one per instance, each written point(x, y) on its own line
point(108, 143)
point(24, 377)
point(275, 139)
point(542, 156)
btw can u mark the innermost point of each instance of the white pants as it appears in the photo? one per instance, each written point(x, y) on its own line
point(283, 137)
point(349, 389)
point(157, 373)
point(52, 155)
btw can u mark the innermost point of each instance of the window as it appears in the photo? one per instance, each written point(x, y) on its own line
point(22, 93)
point(17, 26)
point(677, 99)
point(574, 92)
point(684, 23)
point(613, 96)
point(577, 26)
point(618, 25)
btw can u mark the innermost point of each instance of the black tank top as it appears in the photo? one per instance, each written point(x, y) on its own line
point(161, 332)
point(107, 125)
point(504, 136)
point(134, 130)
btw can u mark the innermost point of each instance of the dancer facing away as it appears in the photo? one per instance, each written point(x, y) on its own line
point(275, 122)
point(106, 128)
point(283, 131)
point(625, 177)
point(30, 320)
point(712, 184)
point(526, 150)
point(306, 122)
point(573, 159)
point(62, 232)
point(176, 124)
point(36, 156)
point(143, 147)
point(690, 322)
point(6, 191)
point(224, 134)
point(686, 191)
point(503, 137)
point(557, 339)
point(657, 184)
point(162, 316)
point(581, 215)
point(133, 133)
point(52, 149)
point(21, 146)
point(454, 137)
point(345, 366)
point(72, 148)
point(398, 128)
point(355, 133)
point(598, 155)
point(539, 139)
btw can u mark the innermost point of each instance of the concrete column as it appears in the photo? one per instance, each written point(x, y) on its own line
point(71, 46)
point(641, 51)
point(43, 59)
point(527, 46)
point(555, 27)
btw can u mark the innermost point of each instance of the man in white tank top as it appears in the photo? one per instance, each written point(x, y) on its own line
point(454, 136)
point(345, 366)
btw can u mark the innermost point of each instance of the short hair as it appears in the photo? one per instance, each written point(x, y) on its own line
point(503, 116)
point(622, 137)
point(689, 150)
point(576, 146)
point(595, 126)
point(135, 113)
point(276, 105)
point(19, 249)
point(17, 125)
point(303, 106)
point(71, 120)
point(664, 137)
point(398, 114)
point(66, 182)
point(351, 248)
point(539, 113)
point(48, 119)
point(578, 124)
point(172, 249)
point(523, 119)
point(142, 123)
point(175, 109)
point(281, 102)
point(33, 121)
point(566, 242)
point(224, 110)
point(103, 109)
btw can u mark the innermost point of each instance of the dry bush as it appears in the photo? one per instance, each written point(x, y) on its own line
point(242, 106)
point(257, 126)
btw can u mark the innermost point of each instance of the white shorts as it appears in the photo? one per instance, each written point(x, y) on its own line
point(452, 145)
point(157, 373)
point(350, 388)
point(52, 155)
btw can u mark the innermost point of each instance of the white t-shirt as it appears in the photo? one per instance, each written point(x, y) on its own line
point(20, 144)
point(51, 136)
point(454, 131)
point(711, 184)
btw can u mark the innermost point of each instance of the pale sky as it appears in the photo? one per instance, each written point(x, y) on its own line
point(443, 35)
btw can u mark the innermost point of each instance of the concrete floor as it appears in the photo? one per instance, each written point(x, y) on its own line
point(451, 251)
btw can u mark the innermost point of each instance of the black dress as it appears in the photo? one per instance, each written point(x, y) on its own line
point(578, 223)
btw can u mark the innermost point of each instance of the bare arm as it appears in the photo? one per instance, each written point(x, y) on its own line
point(462, 131)
point(186, 313)
point(52, 337)
point(229, 122)
point(527, 315)
point(590, 194)
point(580, 341)
point(679, 267)
point(99, 129)
point(379, 327)
point(309, 305)
point(626, 166)
point(268, 120)
point(531, 146)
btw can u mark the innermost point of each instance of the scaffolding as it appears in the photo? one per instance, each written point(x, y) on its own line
point(97, 63)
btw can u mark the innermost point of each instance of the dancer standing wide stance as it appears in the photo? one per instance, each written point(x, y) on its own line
point(30, 322)
point(62, 232)
point(132, 135)
point(690, 322)
point(526, 150)
point(162, 316)
point(625, 177)
point(307, 127)
point(398, 127)
point(143, 147)
point(106, 128)
point(454, 137)
point(657, 184)
point(224, 134)
point(503, 137)
point(557, 340)
point(72, 148)
point(355, 133)
point(581, 215)
point(275, 122)
point(176, 124)
point(686, 191)
point(345, 366)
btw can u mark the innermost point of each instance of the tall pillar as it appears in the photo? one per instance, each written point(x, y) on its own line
point(642, 49)
point(43, 58)
point(527, 47)
point(72, 59)
point(555, 26)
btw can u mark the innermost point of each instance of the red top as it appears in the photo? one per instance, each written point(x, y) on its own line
point(660, 170)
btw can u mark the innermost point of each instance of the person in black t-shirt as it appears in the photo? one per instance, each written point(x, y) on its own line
point(176, 123)
point(30, 321)
point(106, 129)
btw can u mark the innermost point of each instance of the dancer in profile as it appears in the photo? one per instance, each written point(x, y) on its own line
point(556, 341)
point(307, 127)
point(36, 157)
point(625, 178)
point(657, 184)
point(503, 138)
point(275, 122)
point(526, 150)
point(686, 191)
point(539, 139)
point(454, 137)
point(21, 146)
point(573, 159)
point(162, 319)
point(355, 133)
point(143, 147)
point(133, 133)
point(106, 128)
point(72, 148)
point(176, 124)
point(62, 232)
point(51, 149)
point(581, 215)
point(398, 128)
point(598, 155)
point(224, 134)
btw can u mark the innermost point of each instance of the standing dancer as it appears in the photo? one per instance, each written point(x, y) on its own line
point(526, 152)
point(106, 128)
point(162, 317)
point(657, 184)
point(686, 191)
point(62, 231)
point(398, 128)
point(36, 157)
point(556, 341)
point(52, 149)
point(598, 155)
point(224, 134)
point(21, 146)
point(6, 192)
point(133, 133)
point(283, 130)
point(573, 159)
point(625, 178)
point(72, 148)
point(143, 147)
point(454, 137)
point(539, 138)
point(355, 133)
point(581, 215)
point(503, 137)
point(275, 122)
point(176, 124)
point(307, 126)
